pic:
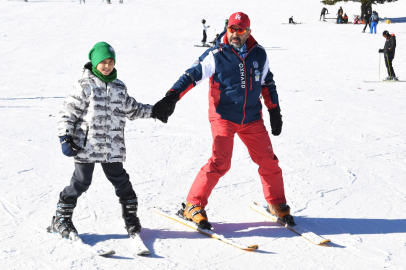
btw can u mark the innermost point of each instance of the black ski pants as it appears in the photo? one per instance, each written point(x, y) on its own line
point(204, 37)
point(388, 63)
point(323, 15)
point(83, 174)
point(365, 27)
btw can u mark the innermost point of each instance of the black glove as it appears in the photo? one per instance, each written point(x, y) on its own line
point(276, 121)
point(380, 51)
point(69, 148)
point(165, 107)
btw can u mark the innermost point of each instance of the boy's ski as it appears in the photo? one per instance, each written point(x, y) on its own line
point(140, 248)
point(210, 233)
point(77, 241)
point(382, 81)
point(312, 237)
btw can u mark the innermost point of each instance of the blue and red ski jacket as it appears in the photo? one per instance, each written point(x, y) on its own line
point(235, 83)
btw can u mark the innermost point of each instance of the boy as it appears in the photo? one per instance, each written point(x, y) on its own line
point(91, 129)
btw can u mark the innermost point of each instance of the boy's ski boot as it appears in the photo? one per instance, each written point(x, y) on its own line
point(282, 212)
point(129, 206)
point(195, 213)
point(62, 221)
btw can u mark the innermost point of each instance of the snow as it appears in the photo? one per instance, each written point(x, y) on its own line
point(342, 149)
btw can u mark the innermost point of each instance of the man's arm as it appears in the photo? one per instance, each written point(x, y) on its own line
point(269, 88)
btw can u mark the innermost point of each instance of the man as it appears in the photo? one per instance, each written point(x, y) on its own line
point(204, 32)
point(323, 13)
point(373, 21)
point(367, 16)
point(239, 73)
point(389, 54)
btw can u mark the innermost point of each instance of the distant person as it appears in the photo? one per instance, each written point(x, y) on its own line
point(204, 32)
point(367, 16)
point(345, 18)
point(389, 54)
point(340, 11)
point(91, 129)
point(374, 20)
point(121, 1)
point(214, 42)
point(291, 20)
point(226, 25)
point(356, 20)
point(79, 2)
point(323, 13)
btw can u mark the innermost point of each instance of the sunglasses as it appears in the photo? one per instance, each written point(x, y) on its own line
point(239, 31)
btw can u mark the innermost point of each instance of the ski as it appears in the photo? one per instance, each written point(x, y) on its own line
point(209, 233)
point(206, 46)
point(312, 237)
point(382, 81)
point(292, 23)
point(77, 241)
point(140, 248)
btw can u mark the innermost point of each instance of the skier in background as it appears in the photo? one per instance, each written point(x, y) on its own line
point(226, 25)
point(239, 73)
point(340, 15)
point(323, 13)
point(367, 16)
point(389, 54)
point(83, 2)
point(374, 20)
point(204, 32)
point(345, 18)
point(91, 129)
point(291, 20)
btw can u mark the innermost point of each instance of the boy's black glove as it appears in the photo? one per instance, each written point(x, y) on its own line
point(276, 121)
point(380, 51)
point(165, 107)
point(69, 148)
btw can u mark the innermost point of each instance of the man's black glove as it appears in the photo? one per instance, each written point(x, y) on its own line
point(276, 121)
point(69, 148)
point(380, 51)
point(165, 107)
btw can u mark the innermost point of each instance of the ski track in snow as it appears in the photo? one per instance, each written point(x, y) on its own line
point(342, 149)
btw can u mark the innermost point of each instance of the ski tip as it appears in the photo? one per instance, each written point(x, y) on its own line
point(143, 253)
point(105, 254)
point(252, 248)
point(325, 241)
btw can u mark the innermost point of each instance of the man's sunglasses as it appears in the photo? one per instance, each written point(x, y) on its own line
point(239, 30)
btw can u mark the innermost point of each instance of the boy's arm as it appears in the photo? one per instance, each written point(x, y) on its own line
point(72, 108)
point(134, 109)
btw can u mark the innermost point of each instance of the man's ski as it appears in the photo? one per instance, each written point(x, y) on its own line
point(140, 248)
point(382, 81)
point(77, 241)
point(312, 237)
point(210, 233)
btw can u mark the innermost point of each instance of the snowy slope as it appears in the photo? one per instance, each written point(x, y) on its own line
point(342, 149)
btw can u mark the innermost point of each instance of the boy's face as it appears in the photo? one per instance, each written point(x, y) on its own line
point(106, 66)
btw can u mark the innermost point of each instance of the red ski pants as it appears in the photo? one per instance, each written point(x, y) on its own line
point(255, 136)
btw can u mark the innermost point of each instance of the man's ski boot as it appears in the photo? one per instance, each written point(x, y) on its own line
point(62, 221)
point(389, 78)
point(282, 211)
point(395, 79)
point(129, 206)
point(195, 213)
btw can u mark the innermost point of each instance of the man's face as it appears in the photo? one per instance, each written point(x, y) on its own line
point(106, 66)
point(237, 40)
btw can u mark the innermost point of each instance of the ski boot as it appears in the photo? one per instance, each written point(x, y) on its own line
point(195, 213)
point(62, 221)
point(129, 207)
point(389, 78)
point(395, 79)
point(282, 212)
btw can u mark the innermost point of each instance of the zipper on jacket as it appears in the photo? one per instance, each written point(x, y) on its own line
point(87, 131)
point(250, 78)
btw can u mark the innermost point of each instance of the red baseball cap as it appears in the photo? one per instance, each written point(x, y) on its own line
point(240, 19)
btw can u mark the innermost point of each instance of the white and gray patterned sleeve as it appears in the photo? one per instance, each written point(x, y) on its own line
point(134, 109)
point(72, 108)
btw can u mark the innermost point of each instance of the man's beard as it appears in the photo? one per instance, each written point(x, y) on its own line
point(238, 44)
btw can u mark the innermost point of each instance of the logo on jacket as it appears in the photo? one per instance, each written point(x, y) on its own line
point(195, 63)
point(238, 17)
point(242, 74)
point(255, 64)
point(257, 74)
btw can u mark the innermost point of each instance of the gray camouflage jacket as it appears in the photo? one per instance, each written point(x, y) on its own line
point(94, 114)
